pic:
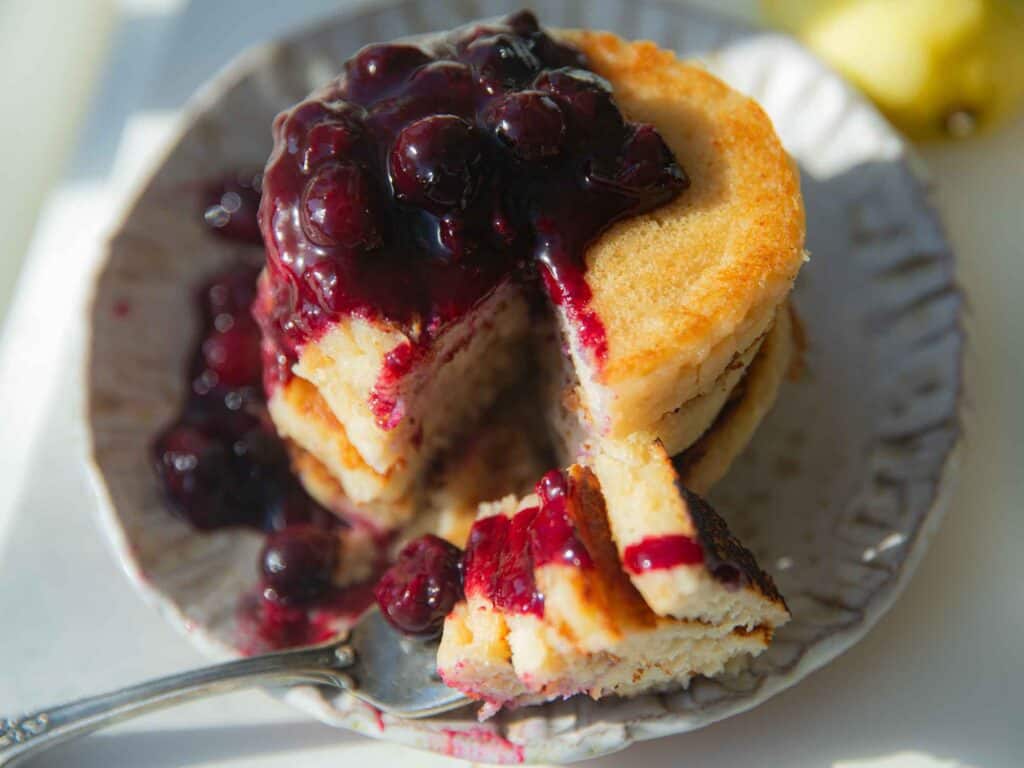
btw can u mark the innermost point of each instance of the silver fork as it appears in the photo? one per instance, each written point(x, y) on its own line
point(375, 663)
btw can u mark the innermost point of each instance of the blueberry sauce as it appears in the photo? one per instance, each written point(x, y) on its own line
point(513, 587)
point(553, 535)
point(654, 553)
point(268, 625)
point(421, 588)
point(298, 564)
point(221, 465)
point(502, 552)
point(426, 175)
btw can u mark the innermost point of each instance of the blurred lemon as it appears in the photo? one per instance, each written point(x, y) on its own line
point(935, 67)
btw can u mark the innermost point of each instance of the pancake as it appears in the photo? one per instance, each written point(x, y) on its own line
point(685, 293)
point(708, 459)
point(681, 289)
point(549, 610)
point(513, 444)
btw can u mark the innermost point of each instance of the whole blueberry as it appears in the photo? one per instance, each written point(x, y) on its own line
point(586, 96)
point(648, 162)
point(447, 86)
point(338, 207)
point(293, 127)
point(298, 563)
point(529, 123)
point(421, 588)
point(435, 163)
point(642, 167)
point(332, 139)
point(233, 355)
point(376, 70)
point(192, 465)
point(501, 61)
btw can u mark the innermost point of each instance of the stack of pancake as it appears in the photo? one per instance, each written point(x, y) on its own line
point(699, 335)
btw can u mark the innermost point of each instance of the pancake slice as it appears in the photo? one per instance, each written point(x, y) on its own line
point(550, 612)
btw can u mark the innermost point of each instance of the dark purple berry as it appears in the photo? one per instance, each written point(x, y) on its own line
point(233, 355)
point(231, 293)
point(298, 563)
point(447, 86)
point(501, 62)
point(329, 140)
point(529, 123)
point(179, 453)
point(642, 168)
point(421, 588)
point(587, 96)
point(230, 208)
point(192, 465)
point(378, 69)
point(554, 54)
point(435, 163)
point(523, 23)
point(338, 208)
point(648, 162)
point(294, 126)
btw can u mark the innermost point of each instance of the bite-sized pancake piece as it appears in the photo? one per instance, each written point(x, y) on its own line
point(550, 612)
point(683, 288)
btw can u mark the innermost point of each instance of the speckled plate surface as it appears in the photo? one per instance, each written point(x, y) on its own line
point(837, 496)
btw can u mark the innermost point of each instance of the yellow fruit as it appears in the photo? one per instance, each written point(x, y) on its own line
point(935, 67)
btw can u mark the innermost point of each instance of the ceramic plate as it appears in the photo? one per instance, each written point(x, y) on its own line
point(837, 496)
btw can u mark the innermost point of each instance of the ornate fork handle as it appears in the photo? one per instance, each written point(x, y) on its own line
point(32, 733)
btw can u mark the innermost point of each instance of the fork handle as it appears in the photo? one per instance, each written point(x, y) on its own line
point(23, 736)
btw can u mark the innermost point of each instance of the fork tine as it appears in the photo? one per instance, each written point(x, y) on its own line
point(398, 674)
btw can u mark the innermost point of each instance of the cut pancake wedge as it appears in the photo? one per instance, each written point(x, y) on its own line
point(550, 612)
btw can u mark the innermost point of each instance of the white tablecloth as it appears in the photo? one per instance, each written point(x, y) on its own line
point(937, 683)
